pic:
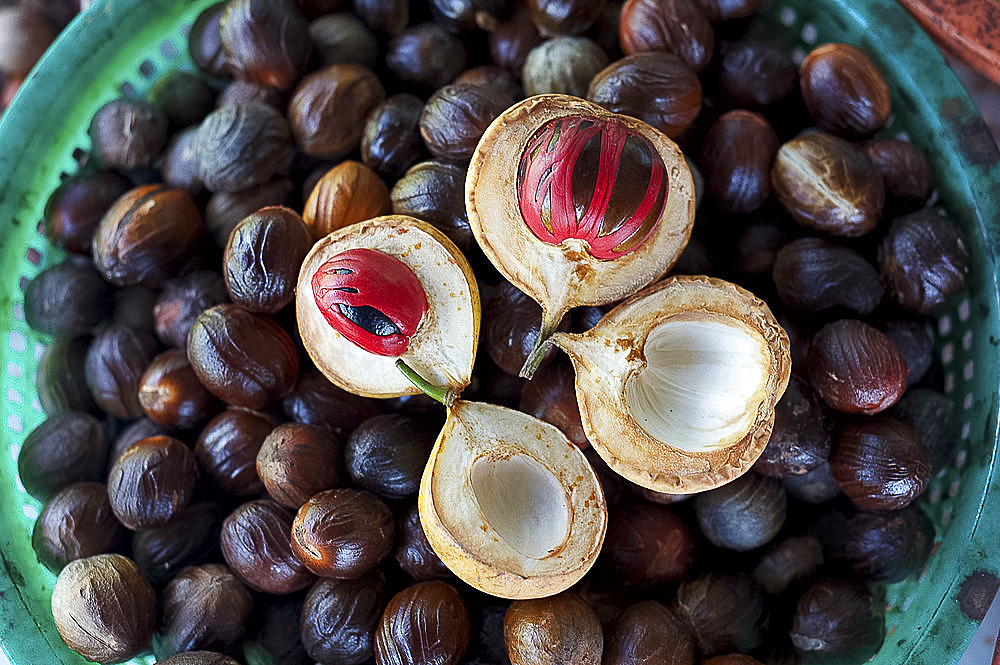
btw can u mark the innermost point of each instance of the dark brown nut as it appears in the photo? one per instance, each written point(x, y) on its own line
point(339, 618)
point(563, 64)
point(904, 170)
point(329, 106)
point(680, 27)
point(723, 611)
point(647, 544)
point(386, 454)
point(390, 142)
point(265, 42)
point(844, 90)
point(814, 274)
point(180, 163)
point(914, 342)
point(343, 533)
point(510, 326)
point(743, 514)
point(182, 299)
point(425, 622)
point(556, 630)
point(889, 546)
point(144, 235)
point(466, 16)
point(425, 57)
point(128, 133)
point(383, 16)
point(736, 161)
point(240, 146)
point(551, 396)
point(504, 83)
point(414, 553)
point(838, 620)
point(76, 207)
point(564, 17)
point(69, 297)
point(204, 607)
point(434, 191)
point(185, 97)
point(879, 464)
point(828, 184)
point(657, 88)
point(116, 360)
point(76, 523)
point(931, 414)
point(191, 539)
point(67, 448)
point(171, 395)
point(755, 74)
point(133, 308)
point(802, 433)
point(204, 43)
point(256, 543)
point(241, 91)
point(61, 380)
point(789, 561)
point(297, 461)
point(152, 482)
point(227, 449)
point(347, 193)
point(924, 260)
point(727, 10)
point(199, 657)
point(317, 401)
point(816, 486)
point(225, 210)
point(262, 258)
point(510, 41)
point(137, 429)
point(103, 608)
point(340, 37)
point(648, 632)
point(454, 119)
point(242, 358)
point(855, 368)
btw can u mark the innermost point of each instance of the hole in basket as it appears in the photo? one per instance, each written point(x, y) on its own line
point(14, 423)
point(168, 49)
point(147, 69)
point(787, 16)
point(127, 90)
point(944, 325)
point(947, 353)
point(809, 33)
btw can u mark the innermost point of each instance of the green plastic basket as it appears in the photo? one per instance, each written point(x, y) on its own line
point(121, 46)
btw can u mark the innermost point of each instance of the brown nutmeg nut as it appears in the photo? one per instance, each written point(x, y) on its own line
point(425, 622)
point(152, 481)
point(242, 145)
point(555, 630)
point(844, 90)
point(680, 27)
point(103, 608)
point(265, 42)
point(347, 193)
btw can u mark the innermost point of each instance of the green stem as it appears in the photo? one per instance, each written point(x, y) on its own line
point(437, 393)
point(538, 350)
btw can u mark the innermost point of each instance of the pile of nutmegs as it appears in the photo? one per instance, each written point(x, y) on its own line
point(177, 485)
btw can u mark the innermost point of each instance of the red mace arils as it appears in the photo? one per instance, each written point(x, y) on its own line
point(568, 175)
point(371, 298)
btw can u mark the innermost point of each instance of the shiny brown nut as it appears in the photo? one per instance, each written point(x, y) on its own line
point(347, 193)
point(339, 618)
point(144, 234)
point(889, 546)
point(265, 42)
point(128, 133)
point(413, 551)
point(190, 539)
point(328, 109)
point(244, 359)
point(204, 43)
point(789, 561)
point(844, 90)
point(116, 360)
point(227, 447)
point(256, 543)
point(340, 36)
point(744, 514)
point(680, 27)
point(855, 368)
point(658, 88)
point(551, 396)
point(556, 630)
point(648, 632)
point(262, 258)
point(434, 191)
point(828, 184)
point(755, 74)
point(76, 523)
point(239, 146)
point(180, 302)
point(343, 533)
point(61, 379)
point(425, 622)
point(76, 207)
point(839, 620)
point(203, 607)
point(152, 481)
point(802, 433)
point(103, 608)
point(317, 401)
point(171, 394)
point(905, 170)
point(425, 56)
point(564, 17)
point(386, 454)
point(879, 464)
point(66, 448)
point(562, 64)
point(297, 461)
point(391, 141)
point(736, 161)
point(225, 210)
point(511, 40)
point(68, 297)
point(455, 117)
point(813, 274)
point(723, 611)
point(647, 544)
point(924, 260)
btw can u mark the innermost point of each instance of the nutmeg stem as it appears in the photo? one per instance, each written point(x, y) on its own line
point(538, 350)
point(437, 393)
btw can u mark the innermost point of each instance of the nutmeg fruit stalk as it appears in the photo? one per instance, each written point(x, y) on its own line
point(575, 205)
point(677, 385)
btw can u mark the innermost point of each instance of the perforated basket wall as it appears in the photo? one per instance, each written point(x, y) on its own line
point(121, 46)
